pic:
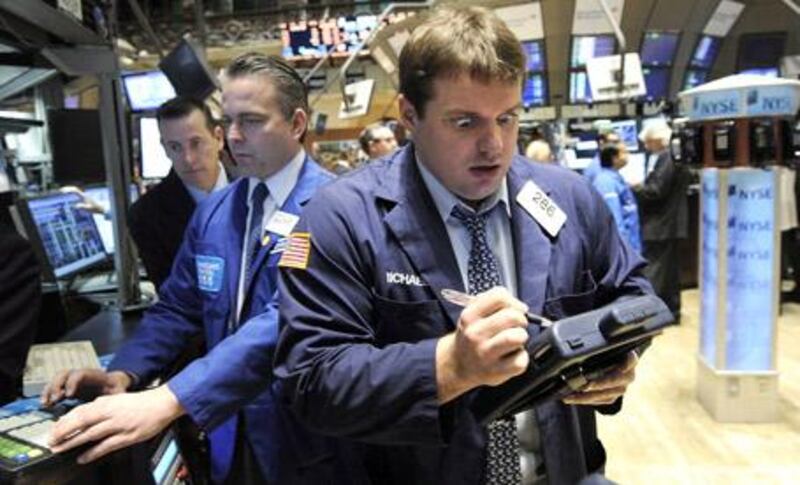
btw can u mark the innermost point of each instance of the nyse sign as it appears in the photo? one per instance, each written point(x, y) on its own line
point(774, 100)
point(710, 276)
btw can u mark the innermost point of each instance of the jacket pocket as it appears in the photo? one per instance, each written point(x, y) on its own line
point(408, 321)
point(583, 300)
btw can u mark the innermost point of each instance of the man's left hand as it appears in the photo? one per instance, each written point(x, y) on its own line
point(608, 388)
point(116, 421)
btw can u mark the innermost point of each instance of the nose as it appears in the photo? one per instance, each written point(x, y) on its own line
point(191, 158)
point(491, 140)
point(234, 134)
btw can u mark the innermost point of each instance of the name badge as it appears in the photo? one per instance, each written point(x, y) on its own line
point(542, 208)
point(282, 223)
point(209, 272)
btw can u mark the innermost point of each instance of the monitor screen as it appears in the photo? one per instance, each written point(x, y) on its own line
point(579, 91)
point(101, 195)
point(187, 71)
point(706, 52)
point(166, 461)
point(658, 48)
point(69, 235)
point(76, 144)
point(761, 50)
point(627, 131)
point(694, 78)
point(656, 81)
point(762, 71)
point(534, 91)
point(534, 53)
point(155, 163)
point(147, 90)
point(590, 46)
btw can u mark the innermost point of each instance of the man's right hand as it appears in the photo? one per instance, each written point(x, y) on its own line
point(487, 348)
point(85, 384)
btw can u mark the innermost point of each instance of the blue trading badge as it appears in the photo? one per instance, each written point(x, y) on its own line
point(209, 272)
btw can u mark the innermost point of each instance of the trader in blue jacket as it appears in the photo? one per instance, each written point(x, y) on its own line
point(370, 352)
point(222, 285)
point(618, 194)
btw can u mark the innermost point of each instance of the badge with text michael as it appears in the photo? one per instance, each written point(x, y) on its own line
point(209, 272)
point(297, 250)
point(542, 208)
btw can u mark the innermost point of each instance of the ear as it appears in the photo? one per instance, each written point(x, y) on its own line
point(299, 123)
point(408, 114)
point(219, 136)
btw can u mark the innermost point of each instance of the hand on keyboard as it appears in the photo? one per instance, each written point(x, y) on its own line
point(84, 384)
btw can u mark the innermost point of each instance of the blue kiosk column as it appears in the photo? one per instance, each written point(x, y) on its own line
point(737, 379)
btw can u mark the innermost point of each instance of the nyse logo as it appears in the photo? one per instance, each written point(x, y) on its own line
point(762, 193)
point(754, 226)
point(720, 107)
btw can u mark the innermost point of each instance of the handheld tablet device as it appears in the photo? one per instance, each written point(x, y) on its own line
point(573, 352)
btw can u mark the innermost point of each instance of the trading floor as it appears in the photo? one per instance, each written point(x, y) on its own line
point(667, 437)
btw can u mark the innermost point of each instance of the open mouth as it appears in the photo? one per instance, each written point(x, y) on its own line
point(485, 170)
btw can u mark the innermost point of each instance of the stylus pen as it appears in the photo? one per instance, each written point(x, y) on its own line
point(462, 299)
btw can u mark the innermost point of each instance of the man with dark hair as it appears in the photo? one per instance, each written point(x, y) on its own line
point(222, 285)
point(370, 351)
point(606, 136)
point(377, 140)
point(618, 194)
point(193, 141)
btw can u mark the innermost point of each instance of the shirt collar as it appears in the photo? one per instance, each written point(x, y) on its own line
point(280, 183)
point(445, 200)
point(198, 195)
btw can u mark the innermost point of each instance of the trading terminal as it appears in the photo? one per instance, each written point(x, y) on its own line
point(715, 399)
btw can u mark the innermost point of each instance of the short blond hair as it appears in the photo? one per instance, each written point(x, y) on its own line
point(456, 40)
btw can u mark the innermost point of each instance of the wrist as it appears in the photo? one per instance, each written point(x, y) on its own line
point(449, 380)
point(172, 407)
point(121, 381)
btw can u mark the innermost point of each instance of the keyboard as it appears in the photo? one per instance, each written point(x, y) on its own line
point(46, 360)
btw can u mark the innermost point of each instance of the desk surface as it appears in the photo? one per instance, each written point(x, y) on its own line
point(107, 330)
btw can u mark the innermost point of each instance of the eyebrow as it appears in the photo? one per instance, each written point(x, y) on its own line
point(458, 112)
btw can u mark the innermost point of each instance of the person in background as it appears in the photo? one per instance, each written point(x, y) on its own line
point(223, 286)
point(20, 300)
point(369, 350)
point(664, 212)
point(539, 151)
point(377, 140)
point(607, 136)
point(618, 194)
point(193, 141)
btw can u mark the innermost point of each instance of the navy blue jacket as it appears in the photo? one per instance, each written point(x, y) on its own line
point(235, 374)
point(356, 353)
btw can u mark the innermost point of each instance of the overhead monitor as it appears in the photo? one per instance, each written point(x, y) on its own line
point(155, 163)
point(534, 91)
point(579, 90)
point(658, 48)
point(656, 79)
point(761, 50)
point(534, 53)
point(694, 78)
point(188, 72)
point(76, 144)
point(762, 71)
point(102, 196)
point(586, 47)
point(148, 90)
point(627, 130)
point(69, 235)
point(705, 53)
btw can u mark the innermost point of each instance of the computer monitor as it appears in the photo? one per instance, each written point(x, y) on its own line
point(188, 72)
point(69, 235)
point(705, 53)
point(627, 130)
point(534, 53)
point(658, 48)
point(656, 80)
point(102, 196)
point(585, 47)
point(338, 35)
point(694, 78)
point(534, 91)
point(148, 90)
point(155, 163)
point(763, 50)
point(76, 144)
point(166, 460)
point(579, 90)
point(762, 71)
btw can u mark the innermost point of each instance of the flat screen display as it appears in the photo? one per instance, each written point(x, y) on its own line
point(658, 48)
point(656, 81)
point(579, 91)
point(706, 52)
point(147, 91)
point(534, 91)
point(102, 196)
point(761, 50)
point(155, 163)
point(69, 235)
point(627, 130)
point(534, 53)
point(694, 78)
point(590, 46)
point(762, 71)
